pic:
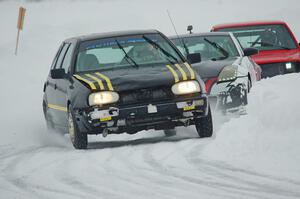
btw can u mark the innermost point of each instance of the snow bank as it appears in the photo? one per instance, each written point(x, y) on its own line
point(267, 139)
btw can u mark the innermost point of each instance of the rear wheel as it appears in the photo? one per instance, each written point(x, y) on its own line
point(170, 132)
point(204, 125)
point(78, 139)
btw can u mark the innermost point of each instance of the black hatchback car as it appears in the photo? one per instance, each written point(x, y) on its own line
point(119, 82)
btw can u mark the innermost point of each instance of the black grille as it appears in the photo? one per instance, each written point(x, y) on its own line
point(270, 70)
point(145, 95)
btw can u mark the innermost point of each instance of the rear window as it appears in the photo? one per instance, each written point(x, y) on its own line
point(263, 37)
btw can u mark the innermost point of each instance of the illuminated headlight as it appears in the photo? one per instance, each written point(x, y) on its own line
point(229, 73)
point(105, 97)
point(288, 66)
point(186, 87)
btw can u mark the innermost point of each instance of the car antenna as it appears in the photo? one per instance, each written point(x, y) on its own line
point(180, 39)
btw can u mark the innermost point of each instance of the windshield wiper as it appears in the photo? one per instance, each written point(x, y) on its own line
point(127, 57)
point(184, 46)
point(156, 45)
point(269, 44)
point(218, 47)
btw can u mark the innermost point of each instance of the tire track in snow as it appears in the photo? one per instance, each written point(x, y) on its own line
point(260, 183)
point(214, 179)
point(131, 171)
point(23, 182)
point(195, 185)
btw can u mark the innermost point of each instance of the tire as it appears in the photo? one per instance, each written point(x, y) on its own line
point(204, 125)
point(245, 98)
point(170, 132)
point(249, 85)
point(78, 139)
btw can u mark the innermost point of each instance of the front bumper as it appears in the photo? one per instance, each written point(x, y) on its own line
point(229, 95)
point(273, 69)
point(134, 118)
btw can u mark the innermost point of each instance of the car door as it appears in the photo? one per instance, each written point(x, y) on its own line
point(54, 94)
point(62, 85)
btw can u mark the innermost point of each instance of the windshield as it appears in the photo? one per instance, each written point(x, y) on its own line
point(210, 47)
point(117, 52)
point(264, 37)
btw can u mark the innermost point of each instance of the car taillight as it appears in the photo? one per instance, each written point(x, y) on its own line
point(209, 83)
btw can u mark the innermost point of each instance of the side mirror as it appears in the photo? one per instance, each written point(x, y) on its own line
point(250, 51)
point(194, 58)
point(299, 44)
point(58, 73)
point(190, 28)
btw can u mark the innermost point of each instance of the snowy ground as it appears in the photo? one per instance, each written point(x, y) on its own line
point(253, 156)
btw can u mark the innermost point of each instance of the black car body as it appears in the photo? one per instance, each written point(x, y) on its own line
point(225, 67)
point(103, 84)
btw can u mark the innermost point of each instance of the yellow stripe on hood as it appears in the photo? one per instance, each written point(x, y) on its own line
point(190, 70)
point(91, 84)
point(181, 71)
point(109, 85)
point(97, 80)
point(176, 79)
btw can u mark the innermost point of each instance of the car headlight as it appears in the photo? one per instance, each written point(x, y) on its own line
point(229, 73)
point(290, 67)
point(104, 97)
point(186, 87)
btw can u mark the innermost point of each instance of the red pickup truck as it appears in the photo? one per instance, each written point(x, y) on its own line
point(279, 49)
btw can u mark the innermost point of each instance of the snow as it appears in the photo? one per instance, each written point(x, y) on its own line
point(252, 156)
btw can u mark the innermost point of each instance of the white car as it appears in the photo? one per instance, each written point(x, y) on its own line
point(226, 68)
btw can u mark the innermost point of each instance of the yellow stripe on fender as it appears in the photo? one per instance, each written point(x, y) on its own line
point(191, 70)
point(173, 73)
point(181, 71)
point(56, 107)
point(91, 84)
point(109, 85)
point(97, 80)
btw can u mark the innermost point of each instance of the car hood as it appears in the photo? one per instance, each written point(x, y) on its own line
point(131, 78)
point(209, 68)
point(275, 56)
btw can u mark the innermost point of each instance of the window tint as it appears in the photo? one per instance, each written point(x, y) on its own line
point(61, 56)
point(67, 60)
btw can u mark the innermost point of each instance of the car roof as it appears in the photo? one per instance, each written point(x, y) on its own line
point(110, 34)
point(248, 23)
point(200, 34)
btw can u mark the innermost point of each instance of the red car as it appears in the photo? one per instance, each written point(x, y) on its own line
point(279, 50)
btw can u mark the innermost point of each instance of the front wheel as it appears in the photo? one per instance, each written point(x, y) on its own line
point(204, 125)
point(249, 85)
point(78, 139)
